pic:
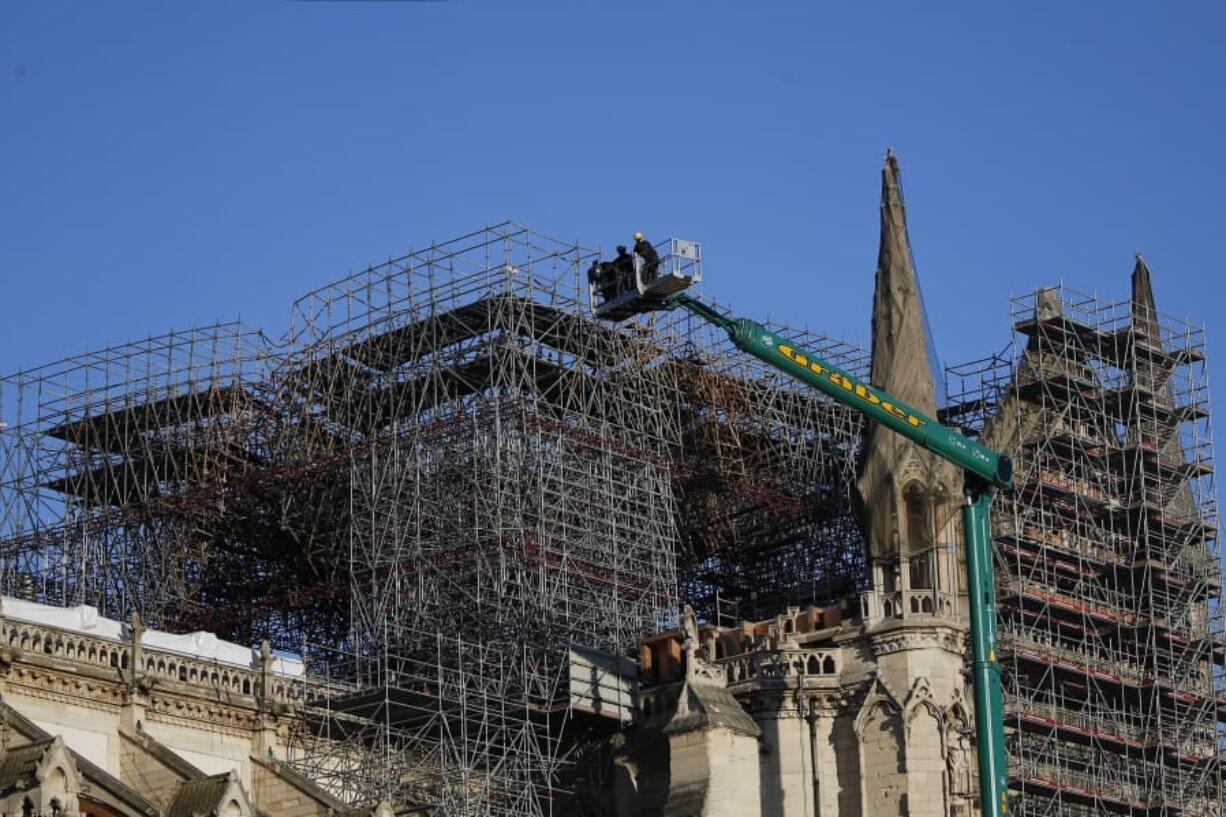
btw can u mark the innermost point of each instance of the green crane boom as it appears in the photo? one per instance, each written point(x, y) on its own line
point(985, 471)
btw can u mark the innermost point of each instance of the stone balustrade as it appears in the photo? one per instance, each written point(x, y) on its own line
point(808, 667)
point(29, 638)
point(780, 664)
point(115, 652)
point(879, 605)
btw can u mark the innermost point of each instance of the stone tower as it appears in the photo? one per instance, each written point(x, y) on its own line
point(909, 497)
point(825, 711)
point(913, 718)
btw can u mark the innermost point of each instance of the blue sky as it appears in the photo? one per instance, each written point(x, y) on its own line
point(168, 164)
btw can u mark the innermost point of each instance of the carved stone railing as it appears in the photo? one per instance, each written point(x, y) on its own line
point(214, 674)
point(880, 605)
point(779, 664)
point(809, 668)
point(24, 640)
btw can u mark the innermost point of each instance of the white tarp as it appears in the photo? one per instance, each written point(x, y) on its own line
point(603, 684)
point(85, 619)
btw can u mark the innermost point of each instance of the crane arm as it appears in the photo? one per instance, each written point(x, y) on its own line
point(992, 468)
point(985, 470)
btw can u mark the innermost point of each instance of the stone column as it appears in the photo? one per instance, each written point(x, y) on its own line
point(786, 762)
point(6, 655)
point(264, 740)
point(136, 688)
point(823, 711)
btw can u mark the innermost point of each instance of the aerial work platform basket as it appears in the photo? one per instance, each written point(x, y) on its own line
point(679, 267)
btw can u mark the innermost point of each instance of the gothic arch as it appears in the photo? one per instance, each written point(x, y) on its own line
point(882, 750)
point(878, 696)
point(958, 713)
point(920, 701)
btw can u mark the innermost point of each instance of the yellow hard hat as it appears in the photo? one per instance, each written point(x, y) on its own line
point(638, 236)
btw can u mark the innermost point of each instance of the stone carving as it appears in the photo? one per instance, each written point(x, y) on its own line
point(696, 668)
point(959, 758)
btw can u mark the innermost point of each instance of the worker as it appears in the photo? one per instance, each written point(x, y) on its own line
point(623, 269)
point(604, 277)
point(596, 276)
point(651, 259)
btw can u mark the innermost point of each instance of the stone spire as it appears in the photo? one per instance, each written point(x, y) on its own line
point(900, 343)
point(1152, 374)
point(892, 468)
point(1144, 313)
point(1147, 332)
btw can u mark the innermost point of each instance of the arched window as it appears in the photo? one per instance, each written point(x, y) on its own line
point(921, 538)
point(919, 533)
point(57, 780)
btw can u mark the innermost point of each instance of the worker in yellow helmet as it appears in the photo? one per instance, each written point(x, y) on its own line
point(651, 259)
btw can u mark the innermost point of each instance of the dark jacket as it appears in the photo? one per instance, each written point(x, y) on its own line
point(645, 251)
point(624, 263)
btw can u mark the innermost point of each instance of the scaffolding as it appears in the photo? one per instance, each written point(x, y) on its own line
point(459, 497)
point(139, 478)
point(463, 501)
point(529, 485)
point(1108, 574)
point(766, 471)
